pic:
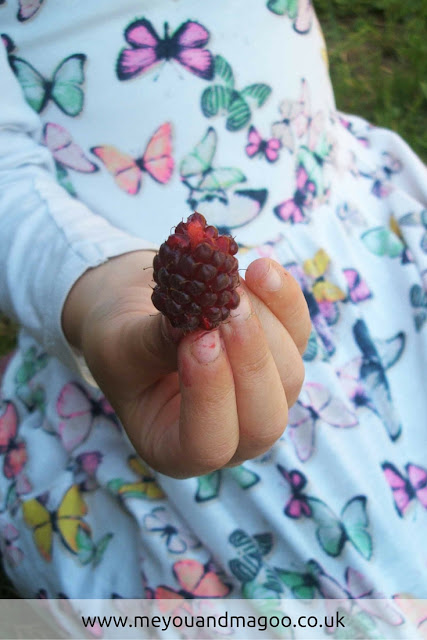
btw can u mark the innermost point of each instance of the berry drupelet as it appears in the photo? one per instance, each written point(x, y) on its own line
point(196, 276)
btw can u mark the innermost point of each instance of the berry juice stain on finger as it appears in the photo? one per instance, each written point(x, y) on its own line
point(206, 348)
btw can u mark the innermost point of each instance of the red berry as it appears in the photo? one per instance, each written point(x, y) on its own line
point(196, 275)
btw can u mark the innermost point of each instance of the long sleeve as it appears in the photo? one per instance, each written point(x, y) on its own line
point(48, 239)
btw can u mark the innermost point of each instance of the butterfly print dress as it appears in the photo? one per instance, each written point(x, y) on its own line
point(115, 124)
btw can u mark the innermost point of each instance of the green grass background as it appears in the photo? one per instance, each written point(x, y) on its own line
point(378, 62)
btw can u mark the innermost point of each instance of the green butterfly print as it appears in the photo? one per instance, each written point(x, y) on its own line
point(332, 532)
point(208, 486)
point(63, 178)
point(280, 7)
point(312, 580)
point(257, 578)
point(225, 99)
point(33, 396)
point(382, 241)
point(88, 551)
point(313, 162)
point(358, 625)
point(251, 549)
point(300, 11)
point(199, 176)
point(302, 585)
point(64, 89)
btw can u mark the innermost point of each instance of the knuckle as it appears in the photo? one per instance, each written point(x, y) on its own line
point(294, 381)
point(258, 442)
point(256, 367)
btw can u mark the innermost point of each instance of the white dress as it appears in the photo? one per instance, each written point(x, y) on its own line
point(143, 112)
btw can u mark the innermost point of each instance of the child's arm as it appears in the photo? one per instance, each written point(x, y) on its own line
point(210, 399)
point(47, 238)
point(185, 422)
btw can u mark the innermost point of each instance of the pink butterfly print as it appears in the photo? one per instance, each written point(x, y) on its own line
point(415, 611)
point(256, 145)
point(342, 158)
point(157, 161)
point(353, 386)
point(370, 600)
point(8, 43)
point(28, 9)
point(349, 126)
point(282, 130)
point(12, 554)
point(196, 581)
point(382, 186)
point(185, 45)
point(316, 404)
point(306, 124)
point(406, 489)
point(335, 595)
point(15, 451)
point(304, 18)
point(65, 151)
point(85, 467)
point(80, 413)
point(358, 289)
point(297, 505)
point(292, 210)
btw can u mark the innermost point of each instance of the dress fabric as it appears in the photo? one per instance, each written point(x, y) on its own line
point(143, 112)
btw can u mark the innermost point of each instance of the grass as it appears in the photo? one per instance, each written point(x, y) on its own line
point(378, 62)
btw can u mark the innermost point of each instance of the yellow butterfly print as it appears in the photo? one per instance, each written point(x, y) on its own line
point(66, 521)
point(146, 487)
point(323, 290)
point(394, 226)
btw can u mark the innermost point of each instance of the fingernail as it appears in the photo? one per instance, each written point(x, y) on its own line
point(207, 348)
point(272, 280)
point(243, 311)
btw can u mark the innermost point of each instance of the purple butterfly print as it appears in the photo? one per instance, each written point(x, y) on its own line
point(358, 289)
point(406, 489)
point(185, 45)
point(84, 468)
point(316, 404)
point(256, 145)
point(364, 378)
point(297, 506)
point(382, 186)
point(293, 210)
point(319, 321)
point(350, 127)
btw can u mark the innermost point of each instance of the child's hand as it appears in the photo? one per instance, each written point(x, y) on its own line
point(196, 403)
